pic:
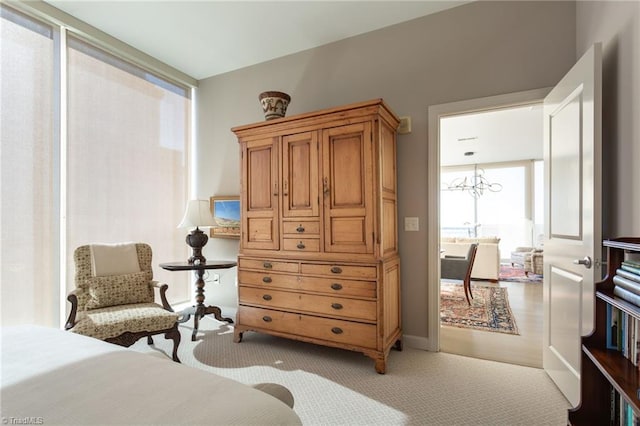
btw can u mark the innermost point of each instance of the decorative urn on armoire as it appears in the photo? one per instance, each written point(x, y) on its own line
point(274, 104)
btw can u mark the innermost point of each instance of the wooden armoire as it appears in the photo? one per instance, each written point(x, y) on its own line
point(318, 258)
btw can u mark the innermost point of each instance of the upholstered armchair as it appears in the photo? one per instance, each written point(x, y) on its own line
point(459, 268)
point(530, 258)
point(534, 263)
point(114, 296)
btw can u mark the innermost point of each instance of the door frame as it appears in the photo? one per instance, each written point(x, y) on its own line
point(435, 113)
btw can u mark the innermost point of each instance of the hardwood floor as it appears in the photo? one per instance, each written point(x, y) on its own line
point(525, 349)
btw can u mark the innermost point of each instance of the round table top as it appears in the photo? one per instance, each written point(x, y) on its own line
point(209, 264)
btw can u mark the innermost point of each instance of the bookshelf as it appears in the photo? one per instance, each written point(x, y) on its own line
point(610, 378)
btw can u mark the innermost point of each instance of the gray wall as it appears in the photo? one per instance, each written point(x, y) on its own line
point(476, 50)
point(617, 26)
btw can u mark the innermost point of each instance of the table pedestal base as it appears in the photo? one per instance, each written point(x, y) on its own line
point(198, 312)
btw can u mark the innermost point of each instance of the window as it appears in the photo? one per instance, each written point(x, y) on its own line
point(128, 135)
point(506, 209)
point(116, 167)
point(458, 218)
point(28, 168)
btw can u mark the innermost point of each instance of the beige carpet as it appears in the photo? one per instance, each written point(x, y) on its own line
point(338, 387)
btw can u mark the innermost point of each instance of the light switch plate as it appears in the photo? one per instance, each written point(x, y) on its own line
point(411, 224)
point(405, 125)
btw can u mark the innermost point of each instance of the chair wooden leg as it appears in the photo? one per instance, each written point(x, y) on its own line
point(149, 340)
point(174, 334)
point(467, 290)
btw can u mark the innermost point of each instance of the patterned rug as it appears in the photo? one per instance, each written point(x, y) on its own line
point(516, 274)
point(489, 310)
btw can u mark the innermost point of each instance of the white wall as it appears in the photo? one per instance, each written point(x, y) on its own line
point(617, 26)
point(472, 51)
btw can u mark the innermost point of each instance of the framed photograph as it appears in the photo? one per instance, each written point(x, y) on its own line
point(226, 214)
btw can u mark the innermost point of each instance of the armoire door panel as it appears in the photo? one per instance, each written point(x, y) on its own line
point(259, 230)
point(348, 188)
point(300, 175)
point(260, 194)
point(348, 234)
point(347, 170)
point(389, 243)
point(388, 159)
point(260, 179)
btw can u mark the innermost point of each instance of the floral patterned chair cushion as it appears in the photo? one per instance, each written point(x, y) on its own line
point(113, 321)
point(116, 290)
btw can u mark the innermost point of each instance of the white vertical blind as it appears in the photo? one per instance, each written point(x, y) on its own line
point(128, 135)
point(28, 251)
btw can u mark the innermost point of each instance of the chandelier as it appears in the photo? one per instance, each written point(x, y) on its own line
point(474, 185)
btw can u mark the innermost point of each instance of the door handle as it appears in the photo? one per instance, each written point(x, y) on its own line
point(586, 262)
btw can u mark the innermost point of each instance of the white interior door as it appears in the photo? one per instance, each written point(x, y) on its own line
point(572, 155)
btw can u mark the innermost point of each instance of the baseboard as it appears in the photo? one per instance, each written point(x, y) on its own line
point(416, 342)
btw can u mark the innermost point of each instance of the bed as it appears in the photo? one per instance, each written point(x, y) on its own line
point(50, 376)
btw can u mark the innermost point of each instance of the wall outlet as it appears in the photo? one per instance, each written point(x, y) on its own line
point(411, 224)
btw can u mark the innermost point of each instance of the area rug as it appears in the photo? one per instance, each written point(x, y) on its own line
point(489, 310)
point(516, 274)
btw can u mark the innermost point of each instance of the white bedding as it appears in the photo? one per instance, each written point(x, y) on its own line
point(55, 377)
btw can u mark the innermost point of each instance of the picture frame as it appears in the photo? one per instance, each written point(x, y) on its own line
point(226, 214)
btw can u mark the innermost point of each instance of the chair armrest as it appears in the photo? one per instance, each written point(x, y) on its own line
point(163, 294)
point(71, 321)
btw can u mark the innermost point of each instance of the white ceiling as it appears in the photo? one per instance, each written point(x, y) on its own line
point(493, 136)
point(209, 37)
point(204, 38)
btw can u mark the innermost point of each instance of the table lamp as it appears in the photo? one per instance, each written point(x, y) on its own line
point(197, 214)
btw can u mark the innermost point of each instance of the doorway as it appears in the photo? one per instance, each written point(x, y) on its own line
point(471, 153)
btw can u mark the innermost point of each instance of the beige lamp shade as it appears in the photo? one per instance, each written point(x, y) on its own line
point(197, 214)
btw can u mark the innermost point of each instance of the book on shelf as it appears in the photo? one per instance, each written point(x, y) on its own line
point(632, 262)
point(614, 413)
point(623, 334)
point(631, 267)
point(626, 295)
point(628, 275)
point(627, 284)
point(612, 327)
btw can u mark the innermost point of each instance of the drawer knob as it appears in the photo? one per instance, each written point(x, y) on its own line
point(336, 270)
point(267, 265)
point(300, 228)
point(300, 245)
point(266, 280)
point(266, 318)
point(336, 286)
point(267, 297)
point(336, 330)
point(336, 305)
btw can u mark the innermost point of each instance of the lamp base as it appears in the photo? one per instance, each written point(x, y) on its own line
point(196, 240)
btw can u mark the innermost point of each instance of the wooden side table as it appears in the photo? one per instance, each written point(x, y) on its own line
point(199, 310)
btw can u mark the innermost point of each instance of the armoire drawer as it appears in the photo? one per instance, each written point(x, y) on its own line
point(268, 265)
point(302, 244)
point(301, 228)
point(339, 270)
point(333, 330)
point(338, 286)
point(267, 280)
point(358, 309)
